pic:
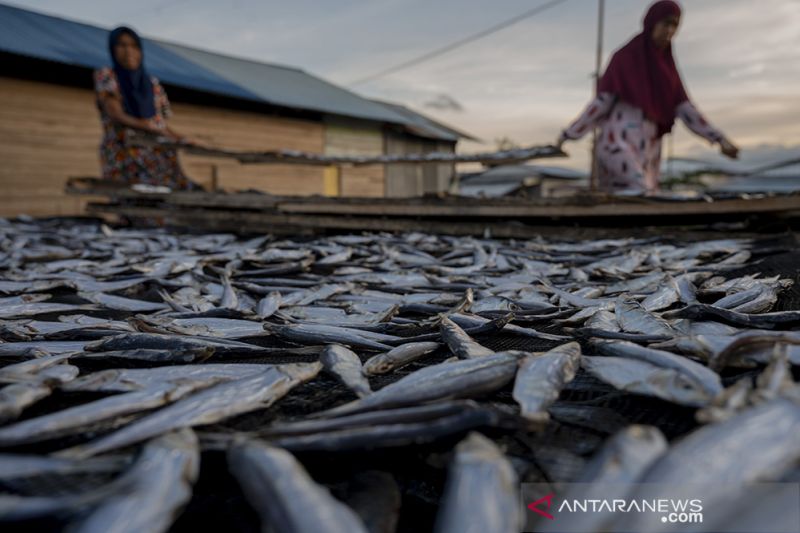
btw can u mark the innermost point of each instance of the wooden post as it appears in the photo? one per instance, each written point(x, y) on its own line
point(597, 66)
point(214, 178)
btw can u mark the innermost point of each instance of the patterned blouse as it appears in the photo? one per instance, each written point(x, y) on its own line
point(629, 149)
point(132, 164)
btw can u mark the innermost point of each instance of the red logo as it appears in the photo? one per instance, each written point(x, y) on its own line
point(544, 499)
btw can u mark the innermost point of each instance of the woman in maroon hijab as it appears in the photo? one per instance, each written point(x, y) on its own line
point(638, 99)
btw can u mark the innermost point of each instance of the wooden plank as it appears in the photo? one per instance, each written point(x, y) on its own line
point(555, 211)
point(253, 222)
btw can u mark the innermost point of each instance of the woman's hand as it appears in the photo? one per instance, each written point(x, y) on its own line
point(728, 148)
point(560, 142)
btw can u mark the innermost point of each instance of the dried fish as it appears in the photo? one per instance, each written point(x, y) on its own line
point(206, 407)
point(460, 343)
point(462, 379)
point(16, 397)
point(13, 466)
point(481, 491)
point(345, 366)
point(540, 379)
point(710, 459)
point(635, 319)
point(622, 461)
point(190, 355)
point(110, 301)
point(149, 496)
point(134, 379)
point(398, 357)
point(641, 377)
point(703, 376)
point(154, 341)
point(774, 319)
point(268, 305)
point(284, 495)
point(53, 425)
point(318, 333)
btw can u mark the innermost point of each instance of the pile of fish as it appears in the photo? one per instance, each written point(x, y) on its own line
point(126, 356)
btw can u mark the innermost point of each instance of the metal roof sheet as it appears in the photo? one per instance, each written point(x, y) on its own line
point(285, 86)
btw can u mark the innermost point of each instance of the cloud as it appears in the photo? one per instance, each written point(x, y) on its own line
point(444, 102)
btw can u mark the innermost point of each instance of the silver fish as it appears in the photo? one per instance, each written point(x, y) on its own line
point(603, 320)
point(625, 456)
point(710, 459)
point(751, 347)
point(634, 319)
point(318, 333)
point(192, 355)
point(55, 424)
point(284, 495)
point(641, 377)
point(461, 379)
point(28, 369)
point(461, 344)
point(540, 379)
point(623, 459)
point(229, 300)
point(481, 491)
point(738, 298)
point(206, 407)
point(727, 404)
point(134, 379)
point(155, 341)
point(761, 303)
point(474, 321)
point(345, 366)
point(268, 305)
point(391, 428)
point(398, 357)
point(14, 466)
point(150, 495)
point(703, 376)
point(110, 301)
point(16, 397)
point(762, 320)
point(17, 349)
point(662, 298)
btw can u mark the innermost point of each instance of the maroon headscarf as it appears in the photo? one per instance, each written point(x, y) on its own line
point(646, 77)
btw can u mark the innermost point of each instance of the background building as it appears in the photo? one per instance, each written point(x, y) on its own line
point(50, 129)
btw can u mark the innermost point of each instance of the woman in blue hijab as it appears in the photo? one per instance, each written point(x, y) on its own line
point(130, 99)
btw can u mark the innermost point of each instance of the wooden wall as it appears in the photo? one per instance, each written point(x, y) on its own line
point(241, 130)
point(50, 132)
point(416, 180)
point(47, 133)
point(353, 137)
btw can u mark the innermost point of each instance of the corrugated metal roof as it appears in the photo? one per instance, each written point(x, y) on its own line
point(519, 173)
point(425, 126)
point(52, 38)
point(285, 86)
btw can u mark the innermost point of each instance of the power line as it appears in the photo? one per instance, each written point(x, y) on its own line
point(460, 42)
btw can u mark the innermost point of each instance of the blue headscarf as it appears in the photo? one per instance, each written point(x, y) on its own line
point(135, 85)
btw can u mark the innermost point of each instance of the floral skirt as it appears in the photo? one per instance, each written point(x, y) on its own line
point(147, 165)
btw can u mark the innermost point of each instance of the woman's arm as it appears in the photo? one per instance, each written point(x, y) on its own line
point(594, 113)
point(696, 122)
point(112, 105)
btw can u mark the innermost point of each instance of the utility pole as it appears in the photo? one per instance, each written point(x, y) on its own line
point(597, 66)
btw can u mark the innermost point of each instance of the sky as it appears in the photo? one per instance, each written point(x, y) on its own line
point(740, 59)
